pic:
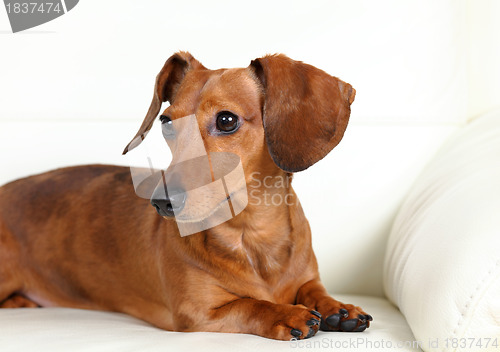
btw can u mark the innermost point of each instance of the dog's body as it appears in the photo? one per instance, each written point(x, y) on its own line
point(80, 237)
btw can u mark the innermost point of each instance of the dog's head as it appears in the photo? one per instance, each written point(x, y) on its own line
point(278, 115)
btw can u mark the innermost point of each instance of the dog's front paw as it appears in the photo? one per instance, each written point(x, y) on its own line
point(337, 316)
point(295, 323)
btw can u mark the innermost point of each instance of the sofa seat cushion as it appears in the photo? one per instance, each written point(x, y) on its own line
point(64, 329)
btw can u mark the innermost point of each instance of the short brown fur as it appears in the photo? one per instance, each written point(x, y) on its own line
point(80, 237)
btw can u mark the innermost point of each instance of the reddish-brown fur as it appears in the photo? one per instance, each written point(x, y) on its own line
point(80, 237)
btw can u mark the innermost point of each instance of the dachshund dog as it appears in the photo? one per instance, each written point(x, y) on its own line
point(80, 236)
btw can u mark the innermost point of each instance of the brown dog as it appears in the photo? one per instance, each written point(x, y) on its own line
point(80, 237)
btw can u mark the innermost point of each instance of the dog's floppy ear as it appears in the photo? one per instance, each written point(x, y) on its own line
point(167, 83)
point(305, 111)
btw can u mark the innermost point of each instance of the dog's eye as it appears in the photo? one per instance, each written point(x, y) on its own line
point(227, 122)
point(165, 119)
point(167, 127)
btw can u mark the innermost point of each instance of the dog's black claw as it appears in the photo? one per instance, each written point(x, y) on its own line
point(348, 325)
point(333, 320)
point(315, 313)
point(312, 322)
point(362, 318)
point(310, 333)
point(360, 328)
point(344, 312)
point(369, 317)
point(296, 333)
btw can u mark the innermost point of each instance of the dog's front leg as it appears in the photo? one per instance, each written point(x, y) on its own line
point(336, 316)
point(263, 318)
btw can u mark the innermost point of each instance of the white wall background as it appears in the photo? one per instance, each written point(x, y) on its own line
point(75, 90)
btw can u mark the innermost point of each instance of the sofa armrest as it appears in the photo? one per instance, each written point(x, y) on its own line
point(442, 265)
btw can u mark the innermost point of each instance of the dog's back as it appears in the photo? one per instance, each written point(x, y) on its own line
point(55, 236)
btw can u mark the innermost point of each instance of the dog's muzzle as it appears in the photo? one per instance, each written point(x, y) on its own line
point(200, 189)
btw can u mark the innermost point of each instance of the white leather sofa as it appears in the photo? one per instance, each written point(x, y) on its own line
point(441, 275)
point(405, 212)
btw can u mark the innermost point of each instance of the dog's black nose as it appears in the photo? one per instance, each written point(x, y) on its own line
point(168, 204)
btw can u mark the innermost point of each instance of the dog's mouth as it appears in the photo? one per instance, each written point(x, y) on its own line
point(184, 217)
point(224, 206)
